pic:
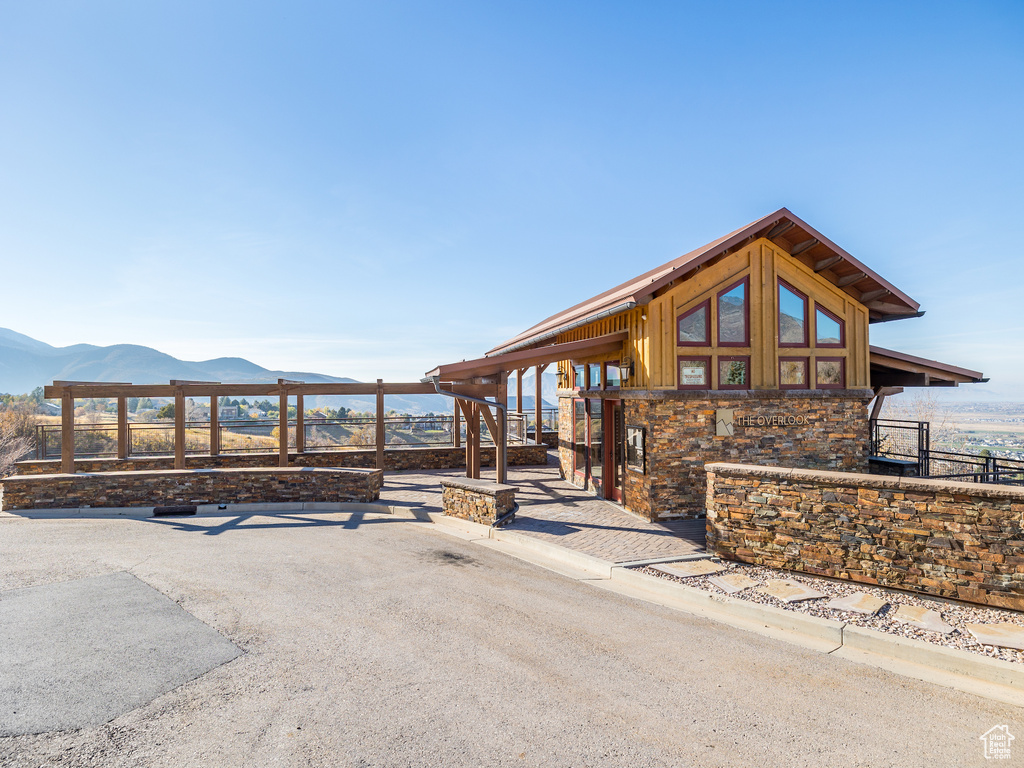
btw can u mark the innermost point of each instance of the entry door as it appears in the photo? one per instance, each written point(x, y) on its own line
point(615, 436)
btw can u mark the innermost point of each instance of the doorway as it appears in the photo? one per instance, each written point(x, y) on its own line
point(614, 454)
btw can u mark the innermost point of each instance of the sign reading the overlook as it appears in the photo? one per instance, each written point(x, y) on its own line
point(726, 421)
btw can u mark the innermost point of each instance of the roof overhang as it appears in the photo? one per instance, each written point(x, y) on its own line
point(608, 344)
point(883, 300)
point(898, 369)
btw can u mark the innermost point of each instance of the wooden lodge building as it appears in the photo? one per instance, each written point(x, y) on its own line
point(754, 348)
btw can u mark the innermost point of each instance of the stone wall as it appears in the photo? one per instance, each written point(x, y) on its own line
point(949, 539)
point(813, 429)
point(444, 457)
point(189, 487)
point(477, 500)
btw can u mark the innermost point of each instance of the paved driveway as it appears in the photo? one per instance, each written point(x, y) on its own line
point(370, 641)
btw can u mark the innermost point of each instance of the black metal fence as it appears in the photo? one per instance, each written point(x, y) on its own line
point(910, 441)
point(901, 440)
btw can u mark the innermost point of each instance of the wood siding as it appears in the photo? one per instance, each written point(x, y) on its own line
point(652, 328)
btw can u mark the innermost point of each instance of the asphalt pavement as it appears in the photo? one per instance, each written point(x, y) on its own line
point(368, 640)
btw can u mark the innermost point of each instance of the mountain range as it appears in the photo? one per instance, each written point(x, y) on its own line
point(26, 363)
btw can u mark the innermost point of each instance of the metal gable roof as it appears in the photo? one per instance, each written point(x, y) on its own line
point(883, 300)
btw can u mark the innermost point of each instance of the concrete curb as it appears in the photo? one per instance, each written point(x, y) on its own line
point(825, 633)
point(949, 667)
point(579, 560)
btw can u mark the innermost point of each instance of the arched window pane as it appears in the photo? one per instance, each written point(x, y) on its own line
point(792, 317)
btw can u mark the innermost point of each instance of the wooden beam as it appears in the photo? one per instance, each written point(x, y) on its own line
point(856, 277)
point(870, 296)
point(492, 425)
point(486, 366)
point(67, 433)
point(519, 389)
point(214, 426)
point(122, 427)
point(96, 390)
point(300, 425)
point(282, 425)
point(823, 264)
point(381, 435)
point(900, 379)
point(877, 409)
point(780, 228)
point(179, 428)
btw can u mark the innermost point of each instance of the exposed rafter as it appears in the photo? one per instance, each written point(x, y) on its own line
point(824, 264)
point(842, 282)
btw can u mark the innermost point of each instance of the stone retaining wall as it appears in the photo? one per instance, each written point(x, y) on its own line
point(811, 429)
point(477, 500)
point(445, 457)
point(189, 487)
point(950, 539)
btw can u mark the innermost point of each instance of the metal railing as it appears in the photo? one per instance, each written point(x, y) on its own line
point(261, 435)
point(902, 440)
point(910, 441)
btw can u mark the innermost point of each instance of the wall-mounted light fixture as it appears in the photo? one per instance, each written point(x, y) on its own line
point(625, 370)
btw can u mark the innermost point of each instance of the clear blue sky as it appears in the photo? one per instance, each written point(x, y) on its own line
point(371, 189)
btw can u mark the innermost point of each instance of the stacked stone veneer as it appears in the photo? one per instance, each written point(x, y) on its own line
point(681, 438)
point(955, 540)
point(189, 487)
point(445, 457)
point(477, 500)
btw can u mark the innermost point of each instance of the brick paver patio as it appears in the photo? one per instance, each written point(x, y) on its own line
point(558, 512)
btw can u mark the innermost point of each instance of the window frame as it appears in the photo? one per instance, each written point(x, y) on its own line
point(842, 372)
point(781, 283)
point(613, 364)
point(576, 383)
point(707, 368)
point(730, 358)
point(745, 282)
point(706, 306)
point(833, 316)
point(807, 372)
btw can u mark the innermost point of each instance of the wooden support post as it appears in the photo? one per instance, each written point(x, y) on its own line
point(67, 433)
point(122, 427)
point(477, 435)
point(300, 425)
point(381, 435)
point(214, 425)
point(282, 427)
point(538, 410)
point(519, 390)
point(179, 428)
point(456, 425)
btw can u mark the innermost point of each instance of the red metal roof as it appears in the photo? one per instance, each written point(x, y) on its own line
point(884, 300)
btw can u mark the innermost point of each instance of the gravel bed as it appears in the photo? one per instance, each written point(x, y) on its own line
point(957, 615)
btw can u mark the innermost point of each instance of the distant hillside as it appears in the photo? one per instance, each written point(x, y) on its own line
point(26, 363)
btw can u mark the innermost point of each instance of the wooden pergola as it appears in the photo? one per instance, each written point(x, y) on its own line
point(495, 369)
point(69, 391)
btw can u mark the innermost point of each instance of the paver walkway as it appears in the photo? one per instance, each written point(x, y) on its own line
point(559, 513)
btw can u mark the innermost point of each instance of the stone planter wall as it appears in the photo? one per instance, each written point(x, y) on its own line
point(477, 500)
point(189, 487)
point(949, 539)
point(444, 457)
